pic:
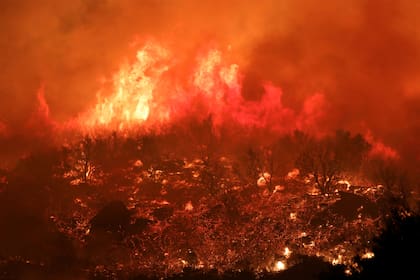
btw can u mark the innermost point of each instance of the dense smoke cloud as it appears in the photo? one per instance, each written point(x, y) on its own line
point(362, 55)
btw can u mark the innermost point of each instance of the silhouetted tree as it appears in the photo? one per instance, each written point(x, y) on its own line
point(394, 178)
point(350, 150)
point(327, 158)
point(318, 158)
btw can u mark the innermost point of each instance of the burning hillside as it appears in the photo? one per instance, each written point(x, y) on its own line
point(225, 139)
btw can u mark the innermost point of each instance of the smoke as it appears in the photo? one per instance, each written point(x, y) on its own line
point(362, 55)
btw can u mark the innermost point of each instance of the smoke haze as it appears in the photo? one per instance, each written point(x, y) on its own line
point(362, 55)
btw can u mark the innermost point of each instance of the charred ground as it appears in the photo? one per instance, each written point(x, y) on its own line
point(182, 205)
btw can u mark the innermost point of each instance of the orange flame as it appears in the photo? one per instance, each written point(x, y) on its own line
point(134, 91)
point(150, 93)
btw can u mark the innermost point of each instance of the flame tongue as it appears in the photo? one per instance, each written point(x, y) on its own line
point(150, 93)
point(144, 95)
point(134, 89)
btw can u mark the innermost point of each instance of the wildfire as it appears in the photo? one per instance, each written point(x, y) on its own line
point(134, 90)
point(151, 93)
point(212, 139)
point(158, 89)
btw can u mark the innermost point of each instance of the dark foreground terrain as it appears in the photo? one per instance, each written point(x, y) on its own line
point(117, 208)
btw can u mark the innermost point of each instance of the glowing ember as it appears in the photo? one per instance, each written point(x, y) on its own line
point(280, 266)
point(261, 182)
point(338, 260)
point(293, 174)
point(345, 182)
point(287, 252)
point(279, 188)
point(368, 255)
point(189, 206)
point(138, 163)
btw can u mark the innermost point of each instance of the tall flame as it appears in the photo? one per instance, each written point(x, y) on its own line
point(150, 92)
point(134, 91)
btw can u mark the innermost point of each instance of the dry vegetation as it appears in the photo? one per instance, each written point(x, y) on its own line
point(114, 207)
